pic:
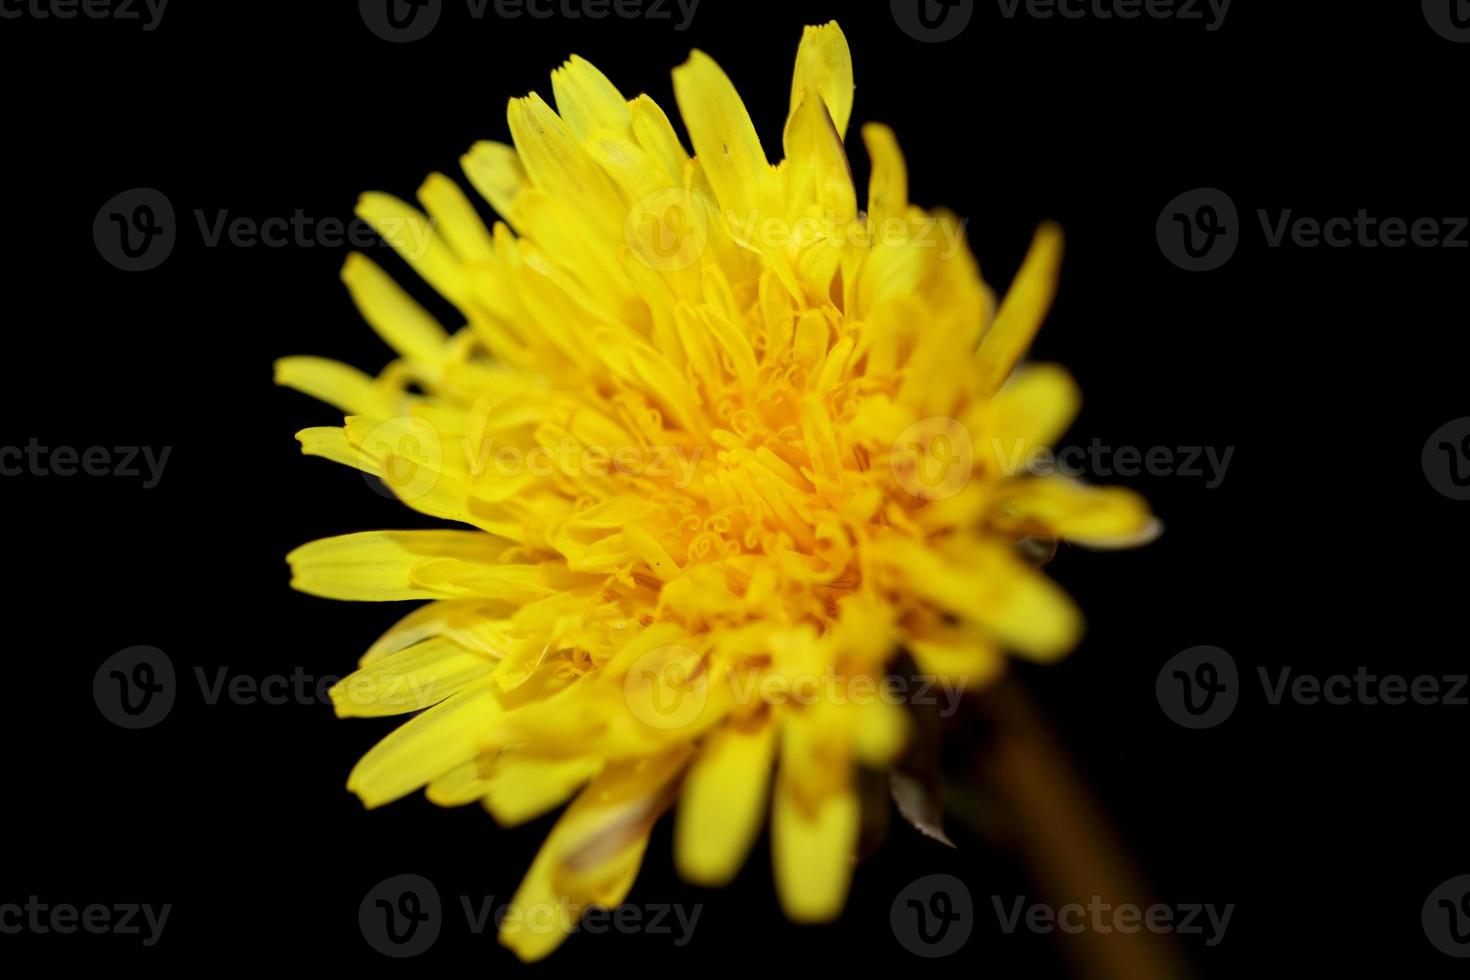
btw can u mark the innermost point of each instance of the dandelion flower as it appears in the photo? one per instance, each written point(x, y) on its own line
point(712, 436)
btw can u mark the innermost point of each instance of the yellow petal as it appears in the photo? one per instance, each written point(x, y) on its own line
point(965, 657)
point(375, 566)
point(879, 729)
point(456, 218)
point(425, 467)
point(1060, 507)
point(521, 787)
point(723, 802)
point(724, 138)
point(588, 101)
point(459, 786)
point(637, 173)
point(817, 168)
point(495, 171)
point(888, 184)
point(330, 442)
point(592, 855)
point(1025, 305)
point(1028, 612)
point(411, 679)
point(560, 167)
point(426, 747)
point(469, 623)
point(813, 833)
point(335, 383)
point(655, 134)
point(1029, 413)
point(824, 63)
point(398, 319)
point(412, 236)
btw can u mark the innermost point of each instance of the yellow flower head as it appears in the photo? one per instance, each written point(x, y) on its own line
point(723, 443)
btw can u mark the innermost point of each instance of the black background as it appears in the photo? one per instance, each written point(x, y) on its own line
point(1324, 548)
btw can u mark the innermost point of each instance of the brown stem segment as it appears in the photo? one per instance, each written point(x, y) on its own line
point(1060, 830)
